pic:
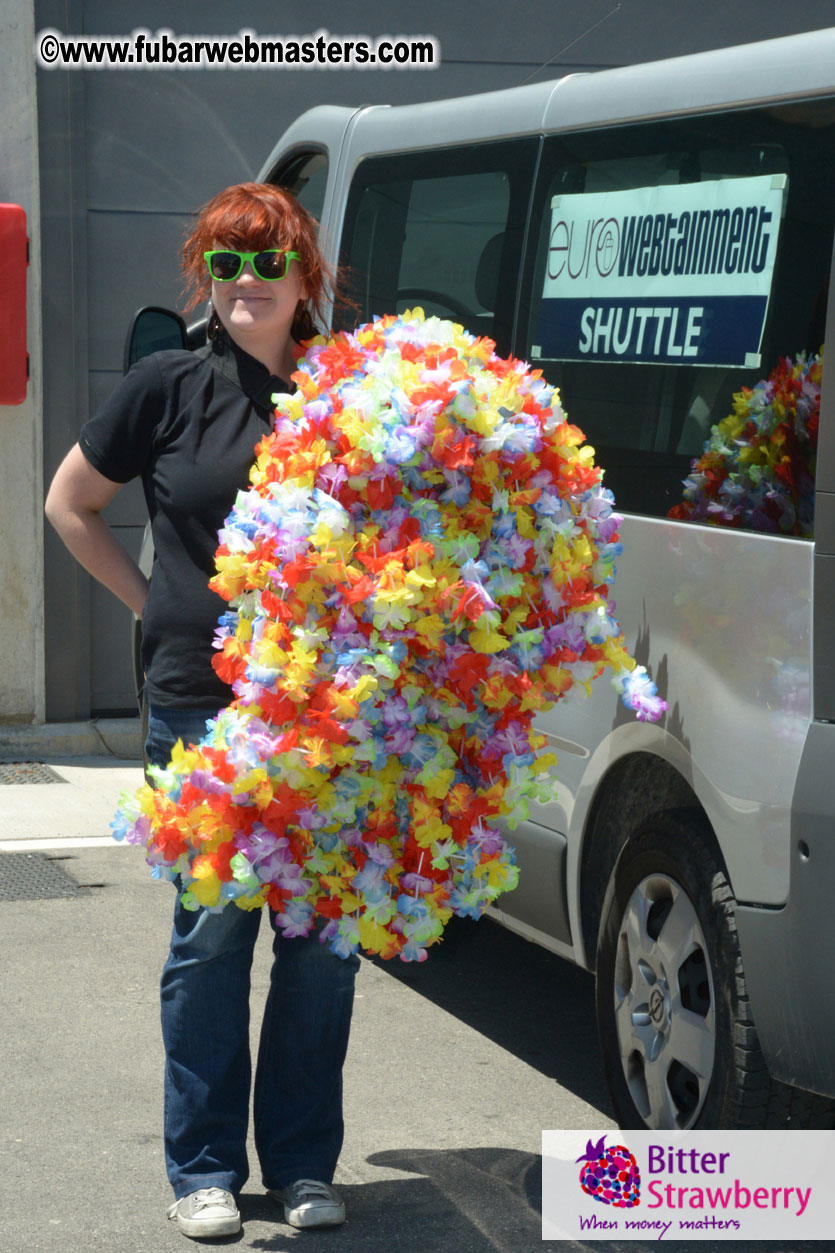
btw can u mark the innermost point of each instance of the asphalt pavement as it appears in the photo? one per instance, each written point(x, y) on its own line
point(455, 1066)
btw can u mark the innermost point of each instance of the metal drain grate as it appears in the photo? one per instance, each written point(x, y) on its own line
point(28, 772)
point(33, 877)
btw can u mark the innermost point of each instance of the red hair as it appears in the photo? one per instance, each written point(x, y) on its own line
point(253, 217)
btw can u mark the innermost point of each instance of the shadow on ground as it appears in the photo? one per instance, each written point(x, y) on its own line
point(473, 1200)
point(529, 1001)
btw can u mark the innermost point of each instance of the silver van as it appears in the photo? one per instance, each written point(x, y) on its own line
point(656, 239)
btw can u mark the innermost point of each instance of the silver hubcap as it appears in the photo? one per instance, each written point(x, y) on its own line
point(664, 1005)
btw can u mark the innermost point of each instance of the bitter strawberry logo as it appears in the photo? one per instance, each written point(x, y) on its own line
point(611, 1175)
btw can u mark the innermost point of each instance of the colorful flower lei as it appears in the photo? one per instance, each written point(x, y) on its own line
point(420, 566)
point(757, 470)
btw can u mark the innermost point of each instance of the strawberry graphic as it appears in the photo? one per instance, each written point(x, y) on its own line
point(611, 1175)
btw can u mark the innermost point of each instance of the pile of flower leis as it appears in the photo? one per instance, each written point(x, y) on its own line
point(421, 565)
point(757, 470)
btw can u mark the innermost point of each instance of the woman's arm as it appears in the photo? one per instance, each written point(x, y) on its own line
point(73, 505)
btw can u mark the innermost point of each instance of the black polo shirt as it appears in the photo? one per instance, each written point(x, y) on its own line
point(187, 423)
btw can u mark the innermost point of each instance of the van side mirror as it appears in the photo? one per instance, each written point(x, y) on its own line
point(152, 329)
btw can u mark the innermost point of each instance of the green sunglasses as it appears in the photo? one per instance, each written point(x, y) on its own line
point(271, 265)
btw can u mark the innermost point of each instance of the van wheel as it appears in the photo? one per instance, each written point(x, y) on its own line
point(678, 1040)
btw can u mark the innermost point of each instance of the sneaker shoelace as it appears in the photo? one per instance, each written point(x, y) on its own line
point(311, 1189)
point(205, 1197)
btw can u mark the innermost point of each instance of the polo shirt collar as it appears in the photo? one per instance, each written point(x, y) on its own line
point(251, 376)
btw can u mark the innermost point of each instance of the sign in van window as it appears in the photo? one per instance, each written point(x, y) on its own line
point(673, 275)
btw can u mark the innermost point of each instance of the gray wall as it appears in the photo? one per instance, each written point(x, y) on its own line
point(126, 157)
point(21, 524)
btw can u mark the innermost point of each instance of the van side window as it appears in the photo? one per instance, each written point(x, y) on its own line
point(443, 230)
point(671, 265)
point(306, 176)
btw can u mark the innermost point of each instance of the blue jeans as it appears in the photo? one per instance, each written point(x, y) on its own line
point(205, 1027)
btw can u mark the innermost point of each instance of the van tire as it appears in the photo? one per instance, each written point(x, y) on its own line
point(669, 999)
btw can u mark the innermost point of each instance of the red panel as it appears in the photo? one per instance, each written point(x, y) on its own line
point(14, 360)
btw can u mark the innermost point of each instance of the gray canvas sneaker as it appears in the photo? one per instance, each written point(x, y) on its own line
point(310, 1203)
point(206, 1213)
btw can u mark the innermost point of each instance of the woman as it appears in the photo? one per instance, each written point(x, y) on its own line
point(188, 424)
